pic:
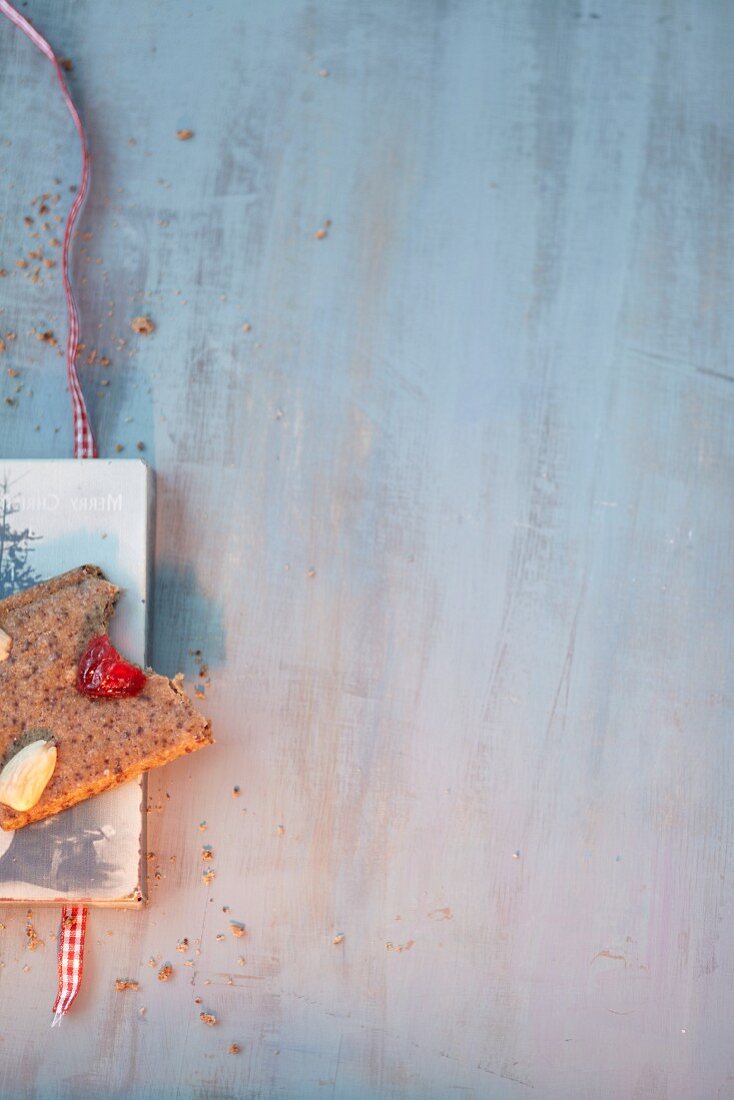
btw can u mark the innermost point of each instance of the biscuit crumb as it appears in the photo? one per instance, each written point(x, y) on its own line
point(208, 1018)
point(184, 135)
point(247, 327)
point(238, 929)
point(234, 1048)
point(66, 64)
point(34, 940)
point(339, 938)
point(208, 877)
point(182, 945)
point(207, 853)
point(142, 325)
point(165, 972)
point(125, 983)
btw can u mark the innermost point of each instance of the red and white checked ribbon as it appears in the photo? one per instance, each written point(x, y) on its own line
point(84, 445)
point(73, 918)
point(71, 958)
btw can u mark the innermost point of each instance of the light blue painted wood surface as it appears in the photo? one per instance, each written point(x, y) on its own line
point(452, 526)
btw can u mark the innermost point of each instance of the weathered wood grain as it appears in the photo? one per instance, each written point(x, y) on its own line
point(451, 525)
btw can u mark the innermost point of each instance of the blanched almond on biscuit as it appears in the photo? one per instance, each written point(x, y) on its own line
point(25, 776)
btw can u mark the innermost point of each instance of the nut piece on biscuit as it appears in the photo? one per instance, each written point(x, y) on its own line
point(25, 776)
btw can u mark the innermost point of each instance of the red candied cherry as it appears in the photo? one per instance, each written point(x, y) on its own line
point(104, 674)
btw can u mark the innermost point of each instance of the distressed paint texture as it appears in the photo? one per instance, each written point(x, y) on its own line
point(451, 525)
